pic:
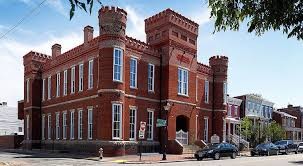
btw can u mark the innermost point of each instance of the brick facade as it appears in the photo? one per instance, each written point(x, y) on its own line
point(171, 46)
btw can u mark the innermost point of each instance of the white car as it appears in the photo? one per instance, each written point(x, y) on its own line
point(300, 147)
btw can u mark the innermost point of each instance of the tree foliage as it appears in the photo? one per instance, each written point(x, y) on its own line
point(276, 132)
point(260, 15)
point(246, 128)
point(81, 4)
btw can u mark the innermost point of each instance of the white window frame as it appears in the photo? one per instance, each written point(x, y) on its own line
point(43, 89)
point(49, 126)
point(65, 82)
point(183, 81)
point(49, 87)
point(151, 77)
point(73, 80)
point(132, 125)
point(72, 124)
point(43, 127)
point(118, 65)
point(81, 68)
point(235, 110)
point(224, 92)
point(115, 137)
point(206, 125)
point(90, 123)
point(57, 125)
point(58, 85)
point(27, 127)
point(27, 90)
point(90, 74)
point(64, 124)
point(133, 70)
point(206, 91)
point(229, 113)
point(150, 126)
point(80, 124)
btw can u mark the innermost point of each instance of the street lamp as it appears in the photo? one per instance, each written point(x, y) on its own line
point(166, 108)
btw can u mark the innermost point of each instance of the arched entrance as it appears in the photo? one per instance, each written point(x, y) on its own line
point(182, 123)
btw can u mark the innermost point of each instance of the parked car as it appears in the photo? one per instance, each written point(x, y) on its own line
point(286, 146)
point(265, 149)
point(216, 151)
point(300, 147)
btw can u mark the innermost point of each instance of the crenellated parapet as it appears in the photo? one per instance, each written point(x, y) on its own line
point(218, 60)
point(171, 16)
point(33, 61)
point(202, 68)
point(138, 45)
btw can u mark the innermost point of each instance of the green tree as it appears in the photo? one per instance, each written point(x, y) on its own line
point(260, 15)
point(81, 4)
point(246, 128)
point(276, 132)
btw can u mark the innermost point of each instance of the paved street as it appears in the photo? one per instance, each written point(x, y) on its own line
point(15, 159)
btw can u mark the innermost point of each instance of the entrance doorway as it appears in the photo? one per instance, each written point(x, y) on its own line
point(182, 124)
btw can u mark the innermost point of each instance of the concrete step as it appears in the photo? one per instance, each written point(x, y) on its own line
point(190, 149)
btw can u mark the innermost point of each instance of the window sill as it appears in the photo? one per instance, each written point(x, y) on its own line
point(182, 95)
point(133, 88)
point(151, 91)
point(118, 81)
point(117, 139)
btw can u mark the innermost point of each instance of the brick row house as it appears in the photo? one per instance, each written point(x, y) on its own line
point(293, 123)
point(96, 94)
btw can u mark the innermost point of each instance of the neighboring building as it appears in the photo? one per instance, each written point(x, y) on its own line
point(298, 113)
point(96, 94)
point(9, 123)
point(256, 108)
point(288, 123)
point(232, 118)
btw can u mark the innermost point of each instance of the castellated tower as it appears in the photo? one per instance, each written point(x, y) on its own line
point(112, 24)
point(33, 62)
point(219, 66)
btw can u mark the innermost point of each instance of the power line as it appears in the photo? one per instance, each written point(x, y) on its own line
point(23, 19)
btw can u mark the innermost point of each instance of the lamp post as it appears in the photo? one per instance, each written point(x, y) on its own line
point(166, 108)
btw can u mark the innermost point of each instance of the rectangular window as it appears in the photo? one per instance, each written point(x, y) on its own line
point(224, 92)
point(27, 127)
point(64, 121)
point(150, 125)
point(49, 87)
point(117, 121)
point(43, 127)
point(206, 129)
point(206, 91)
point(27, 90)
point(133, 72)
point(58, 85)
point(236, 111)
point(132, 123)
point(72, 125)
point(49, 126)
point(57, 125)
point(80, 124)
point(65, 83)
point(90, 74)
point(229, 110)
point(73, 72)
point(151, 77)
point(118, 64)
point(80, 77)
point(182, 81)
point(90, 123)
point(43, 89)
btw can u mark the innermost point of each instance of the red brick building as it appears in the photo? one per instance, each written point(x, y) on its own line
point(96, 94)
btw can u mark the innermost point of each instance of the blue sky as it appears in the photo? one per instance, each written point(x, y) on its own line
point(269, 65)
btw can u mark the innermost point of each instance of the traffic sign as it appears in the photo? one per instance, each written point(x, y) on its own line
point(161, 123)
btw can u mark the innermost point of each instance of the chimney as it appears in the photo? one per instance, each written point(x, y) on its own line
point(4, 103)
point(289, 106)
point(56, 50)
point(88, 34)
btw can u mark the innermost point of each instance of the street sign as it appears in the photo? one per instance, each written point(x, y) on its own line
point(161, 123)
point(142, 130)
point(214, 139)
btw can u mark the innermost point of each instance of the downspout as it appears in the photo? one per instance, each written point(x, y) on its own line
point(160, 100)
point(213, 107)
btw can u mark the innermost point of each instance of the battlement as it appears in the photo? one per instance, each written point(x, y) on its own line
point(139, 45)
point(35, 56)
point(113, 9)
point(173, 17)
point(218, 60)
point(202, 68)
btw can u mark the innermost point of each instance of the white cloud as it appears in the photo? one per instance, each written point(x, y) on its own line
point(135, 25)
point(11, 62)
point(58, 6)
point(201, 17)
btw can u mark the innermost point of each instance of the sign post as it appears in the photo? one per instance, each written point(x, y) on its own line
point(141, 136)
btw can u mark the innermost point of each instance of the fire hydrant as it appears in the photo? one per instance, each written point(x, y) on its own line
point(100, 153)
